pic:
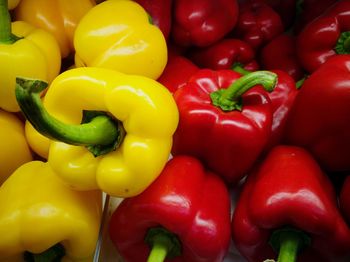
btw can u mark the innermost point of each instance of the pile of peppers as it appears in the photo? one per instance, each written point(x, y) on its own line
point(221, 126)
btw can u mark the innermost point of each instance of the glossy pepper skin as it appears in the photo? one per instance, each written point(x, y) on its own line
point(280, 53)
point(320, 122)
point(21, 47)
point(257, 23)
point(177, 72)
point(132, 45)
point(325, 37)
point(160, 12)
point(309, 10)
point(228, 142)
point(186, 200)
point(148, 117)
point(202, 22)
point(39, 211)
point(60, 18)
point(225, 54)
point(37, 142)
point(282, 100)
point(289, 189)
point(14, 147)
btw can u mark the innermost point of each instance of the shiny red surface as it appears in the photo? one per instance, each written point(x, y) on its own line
point(227, 142)
point(289, 189)
point(192, 203)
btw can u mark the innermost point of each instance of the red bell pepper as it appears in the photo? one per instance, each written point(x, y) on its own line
point(160, 13)
point(308, 10)
point(184, 214)
point(319, 118)
point(289, 205)
point(280, 53)
point(282, 100)
point(344, 198)
point(285, 8)
point(202, 22)
point(257, 23)
point(225, 54)
point(177, 72)
point(222, 123)
point(326, 36)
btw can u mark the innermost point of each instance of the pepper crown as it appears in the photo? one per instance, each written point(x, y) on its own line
point(99, 132)
point(230, 99)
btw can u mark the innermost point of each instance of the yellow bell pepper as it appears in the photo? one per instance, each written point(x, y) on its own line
point(122, 150)
point(24, 51)
point(117, 34)
point(38, 143)
point(12, 4)
point(14, 148)
point(38, 211)
point(59, 17)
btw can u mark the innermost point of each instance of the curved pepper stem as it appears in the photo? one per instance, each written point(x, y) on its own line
point(343, 44)
point(288, 242)
point(99, 132)
point(6, 36)
point(163, 244)
point(53, 254)
point(230, 99)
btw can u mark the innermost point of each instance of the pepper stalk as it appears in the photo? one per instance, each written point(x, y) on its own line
point(288, 242)
point(163, 244)
point(99, 132)
point(230, 99)
point(6, 36)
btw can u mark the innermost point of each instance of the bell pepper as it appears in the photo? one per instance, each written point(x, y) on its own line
point(308, 10)
point(344, 198)
point(40, 217)
point(286, 9)
point(160, 13)
point(318, 120)
point(126, 133)
point(222, 122)
point(117, 34)
point(225, 54)
point(257, 23)
point(288, 207)
point(183, 216)
point(177, 72)
point(280, 53)
point(21, 47)
point(325, 37)
point(14, 147)
point(58, 17)
point(37, 142)
point(202, 22)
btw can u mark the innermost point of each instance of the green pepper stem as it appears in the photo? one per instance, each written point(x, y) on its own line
point(300, 82)
point(343, 44)
point(159, 250)
point(288, 242)
point(53, 254)
point(101, 134)
point(163, 244)
point(238, 67)
point(230, 99)
point(6, 36)
point(289, 248)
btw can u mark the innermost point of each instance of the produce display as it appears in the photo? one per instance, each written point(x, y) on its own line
point(219, 130)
